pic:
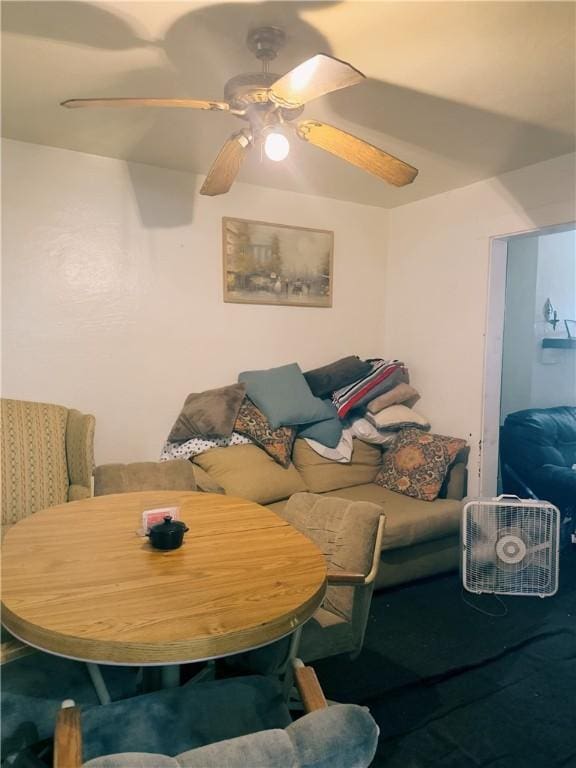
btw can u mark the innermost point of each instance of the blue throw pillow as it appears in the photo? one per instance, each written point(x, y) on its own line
point(284, 397)
point(327, 432)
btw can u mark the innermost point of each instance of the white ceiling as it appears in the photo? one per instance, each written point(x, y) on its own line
point(462, 90)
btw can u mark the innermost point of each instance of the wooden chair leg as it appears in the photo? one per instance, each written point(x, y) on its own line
point(68, 737)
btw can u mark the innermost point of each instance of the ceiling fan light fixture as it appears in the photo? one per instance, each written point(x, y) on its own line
point(269, 103)
point(276, 146)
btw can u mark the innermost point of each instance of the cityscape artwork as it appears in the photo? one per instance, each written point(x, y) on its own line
point(276, 264)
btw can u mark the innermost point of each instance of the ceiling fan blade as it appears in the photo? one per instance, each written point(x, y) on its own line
point(356, 151)
point(227, 165)
point(314, 77)
point(147, 102)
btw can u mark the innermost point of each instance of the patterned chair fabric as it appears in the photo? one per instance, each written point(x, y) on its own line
point(346, 533)
point(47, 457)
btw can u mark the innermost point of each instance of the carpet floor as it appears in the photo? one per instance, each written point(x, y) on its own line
point(454, 680)
point(459, 680)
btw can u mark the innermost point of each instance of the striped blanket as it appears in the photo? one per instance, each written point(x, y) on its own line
point(385, 374)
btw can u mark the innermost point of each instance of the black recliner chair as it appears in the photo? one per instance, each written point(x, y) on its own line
point(538, 453)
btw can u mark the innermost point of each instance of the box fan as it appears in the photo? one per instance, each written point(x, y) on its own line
point(510, 546)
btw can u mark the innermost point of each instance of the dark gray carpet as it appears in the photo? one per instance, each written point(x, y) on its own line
point(454, 687)
point(449, 685)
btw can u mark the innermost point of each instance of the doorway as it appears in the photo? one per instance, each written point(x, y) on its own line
point(532, 297)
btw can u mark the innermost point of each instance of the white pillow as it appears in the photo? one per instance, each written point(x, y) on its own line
point(397, 417)
point(197, 445)
point(343, 451)
point(363, 430)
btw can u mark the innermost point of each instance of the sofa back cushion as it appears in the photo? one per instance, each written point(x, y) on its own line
point(249, 472)
point(177, 475)
point(321, 475)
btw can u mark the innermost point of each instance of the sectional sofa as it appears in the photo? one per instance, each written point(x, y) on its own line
point(421, 538)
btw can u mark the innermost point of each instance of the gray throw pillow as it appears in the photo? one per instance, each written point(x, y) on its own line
point(328, 432)
point(284, 397)
point(211, 414)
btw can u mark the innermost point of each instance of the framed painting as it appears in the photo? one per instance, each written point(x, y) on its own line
point(276, 264)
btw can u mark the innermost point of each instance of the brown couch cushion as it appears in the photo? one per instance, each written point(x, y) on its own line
point(211, 413)
point(397, 417)
point(322, 475)
point(401, 393)
point(408, 521)
point(418, 463)
point(247, 471)
point(175, 475)
point(204, 482)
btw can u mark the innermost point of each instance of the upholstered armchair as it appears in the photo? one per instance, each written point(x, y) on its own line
point(538, 455)
point(349, 534)
point(47, 457)
point(240, 722)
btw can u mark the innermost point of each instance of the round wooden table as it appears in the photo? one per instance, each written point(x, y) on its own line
point(80, 582)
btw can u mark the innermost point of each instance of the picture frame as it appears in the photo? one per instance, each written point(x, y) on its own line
point(266, 263)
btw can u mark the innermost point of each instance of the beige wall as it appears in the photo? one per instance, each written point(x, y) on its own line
point(437, 285)
point(112, 288)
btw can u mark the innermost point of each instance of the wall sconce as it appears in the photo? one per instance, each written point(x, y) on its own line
point(550, 314)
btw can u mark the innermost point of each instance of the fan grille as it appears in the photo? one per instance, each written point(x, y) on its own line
point(510, 548)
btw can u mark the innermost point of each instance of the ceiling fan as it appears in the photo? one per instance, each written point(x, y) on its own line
point(269, 103)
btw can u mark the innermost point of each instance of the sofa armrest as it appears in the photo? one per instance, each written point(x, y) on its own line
point(555, 484)
point(454, 486)
point(80, 451)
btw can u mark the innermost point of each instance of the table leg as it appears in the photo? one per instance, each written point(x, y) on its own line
point(155, 678)
point(292, 653)
point(98, 683)
point(170, 676)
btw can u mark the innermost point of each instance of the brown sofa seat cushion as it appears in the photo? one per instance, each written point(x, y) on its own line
point(175, 475)
point(408, 521)
point(321, 475)
point(249, 472)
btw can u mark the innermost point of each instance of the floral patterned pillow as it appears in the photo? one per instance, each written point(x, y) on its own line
point(418, 462)
point(277, 443)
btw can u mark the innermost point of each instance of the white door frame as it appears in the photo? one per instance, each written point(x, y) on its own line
point(494, 325)
point(493, 349)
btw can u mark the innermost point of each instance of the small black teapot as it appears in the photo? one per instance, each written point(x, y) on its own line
point(167, 535)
